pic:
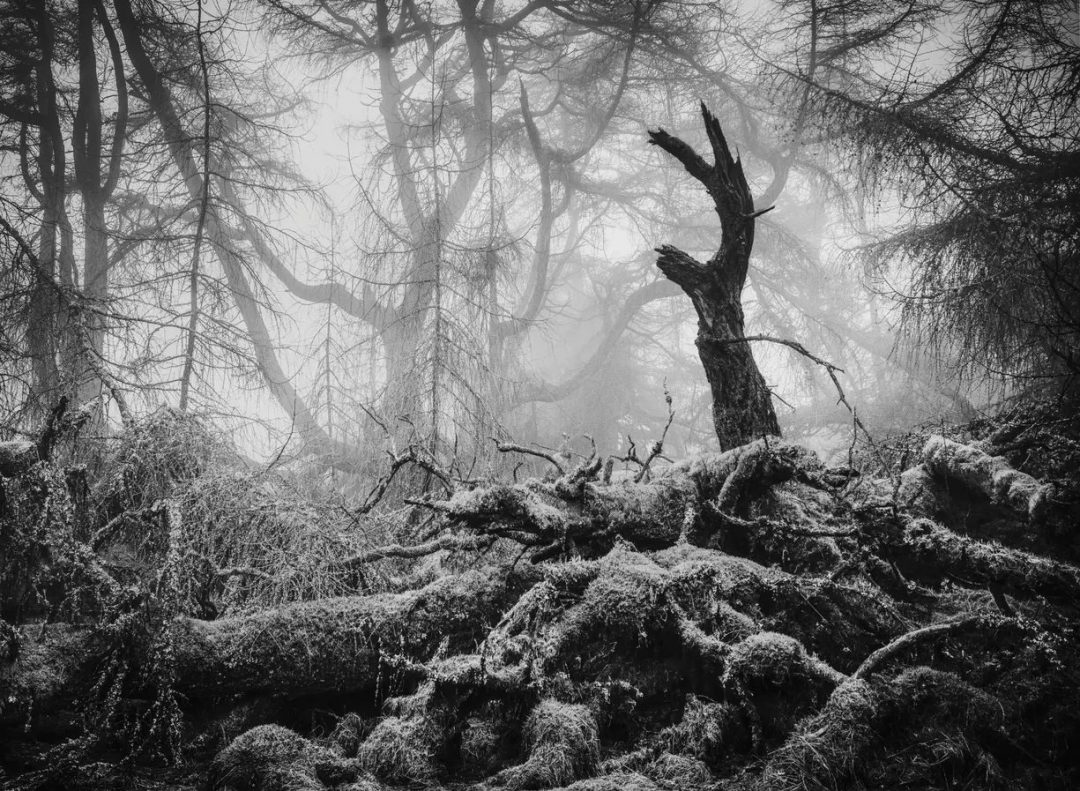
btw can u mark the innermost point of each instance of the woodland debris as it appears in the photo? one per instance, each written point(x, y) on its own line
point(732, 607)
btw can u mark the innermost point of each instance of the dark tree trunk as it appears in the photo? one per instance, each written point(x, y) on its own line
point(87, 155)
point(45, 299)
point(742, 404)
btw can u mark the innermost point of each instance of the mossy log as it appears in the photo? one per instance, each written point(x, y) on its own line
point(931, 551)
point(330, 645)
point(990, 475)
point(337, 644)
point(580, 513)
point(770, 500)
point(982, 495)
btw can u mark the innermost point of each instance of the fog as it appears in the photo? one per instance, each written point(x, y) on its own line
point(436, 224)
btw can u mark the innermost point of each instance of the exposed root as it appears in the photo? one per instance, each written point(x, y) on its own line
point(887, 652)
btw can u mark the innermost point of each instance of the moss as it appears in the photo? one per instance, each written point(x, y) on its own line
point(624, 597)
point(767, 657)
point(740, 583)
point(979, 470)
point(651, 515)
point(776, 659)
point(362, 784)
point(512, 503)
point(347, 735)
point(791, 513)
point(622, 781)
point(922, 692)
point(933, 547)
point(562, 743)
point(824, 750)
point(623, 609)
point(273, 758)
point(402, 750)
point(573, 576)
point(708, 731)
point(481, 746)
point(679, 771)
point(925, 728)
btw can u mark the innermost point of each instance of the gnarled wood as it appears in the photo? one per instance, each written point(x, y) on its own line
point(742, 405)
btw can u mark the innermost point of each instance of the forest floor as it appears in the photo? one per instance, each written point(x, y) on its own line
point(745, 620)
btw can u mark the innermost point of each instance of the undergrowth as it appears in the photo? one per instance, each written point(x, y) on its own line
point(165, 519)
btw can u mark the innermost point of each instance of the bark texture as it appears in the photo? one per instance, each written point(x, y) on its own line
point(742, 404)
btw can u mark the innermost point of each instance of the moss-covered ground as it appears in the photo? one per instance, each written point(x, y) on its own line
point(748, 620)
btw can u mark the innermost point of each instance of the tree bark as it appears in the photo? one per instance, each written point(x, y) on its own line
point(339, 645)
point(45, 306)
point(742, 404)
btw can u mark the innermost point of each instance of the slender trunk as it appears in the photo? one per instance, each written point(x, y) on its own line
point(180, 148)
point(87, 153)
point(45, 300)
point(204, 202)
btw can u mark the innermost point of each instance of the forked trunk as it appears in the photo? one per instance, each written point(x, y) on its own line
point(742, 404)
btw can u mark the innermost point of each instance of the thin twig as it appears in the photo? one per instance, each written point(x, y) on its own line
point(657, 447)
point(831, 370)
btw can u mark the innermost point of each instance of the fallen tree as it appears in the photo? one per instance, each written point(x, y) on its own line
point(673, 626)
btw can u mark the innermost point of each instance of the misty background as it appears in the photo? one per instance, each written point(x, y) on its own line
point(338, 227)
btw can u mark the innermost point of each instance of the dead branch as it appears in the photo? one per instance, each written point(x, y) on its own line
point(831, 370)
point(657, 447)
point(512, 447)
point(413, 551)
point(904, 641)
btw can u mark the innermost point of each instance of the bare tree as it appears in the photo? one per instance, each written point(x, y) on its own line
point(742, 405)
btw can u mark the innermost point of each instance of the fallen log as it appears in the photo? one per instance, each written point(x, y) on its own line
point(992, 476)
point(336, 645)
point(933, 551)
point(589, 516)
point(329, 645)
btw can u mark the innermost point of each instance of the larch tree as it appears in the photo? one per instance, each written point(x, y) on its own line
point(975, 151)
point(474, 200)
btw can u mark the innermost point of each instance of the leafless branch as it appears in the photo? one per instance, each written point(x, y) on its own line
point(511, 447)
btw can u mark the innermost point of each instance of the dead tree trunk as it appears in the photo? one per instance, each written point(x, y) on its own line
point(742, 405)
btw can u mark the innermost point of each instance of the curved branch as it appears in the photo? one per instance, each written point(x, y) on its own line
point(545, 392)
point(904, 641)
point(120, 125)
point(366, 306)
point(413, 551)
point(511, 447)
